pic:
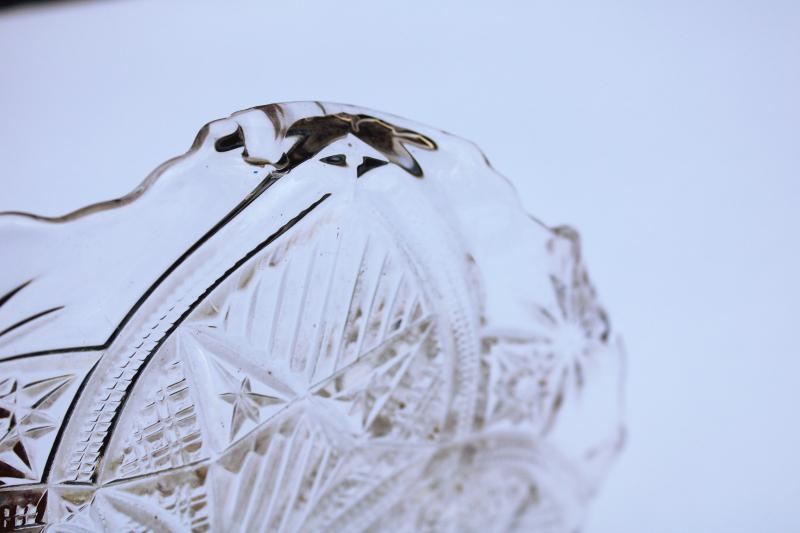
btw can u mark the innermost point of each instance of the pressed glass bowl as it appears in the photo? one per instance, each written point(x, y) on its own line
point(318, 318)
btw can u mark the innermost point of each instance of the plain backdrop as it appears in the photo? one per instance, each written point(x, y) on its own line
point(667, 132)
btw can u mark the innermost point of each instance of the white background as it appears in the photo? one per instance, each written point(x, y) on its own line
point(667, 132)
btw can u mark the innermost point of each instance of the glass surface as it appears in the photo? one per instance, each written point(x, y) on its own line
point(318, 318)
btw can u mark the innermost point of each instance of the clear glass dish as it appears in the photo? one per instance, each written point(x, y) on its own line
point(318, 318)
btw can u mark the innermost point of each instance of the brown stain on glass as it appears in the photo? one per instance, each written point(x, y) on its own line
point(368, 164)
point(338, 160)
point(275, 115)
point(230, 142)
point(317, 132)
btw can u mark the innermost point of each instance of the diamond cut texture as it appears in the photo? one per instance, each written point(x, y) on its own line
point(318, 318)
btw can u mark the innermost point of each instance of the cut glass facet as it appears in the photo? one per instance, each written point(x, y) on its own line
point(318, 318)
